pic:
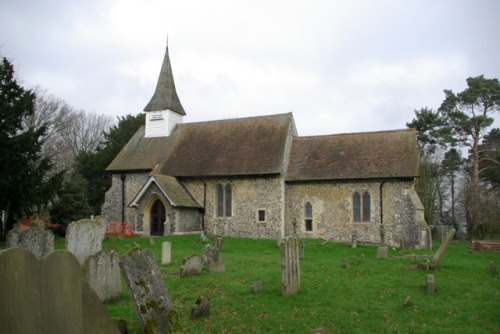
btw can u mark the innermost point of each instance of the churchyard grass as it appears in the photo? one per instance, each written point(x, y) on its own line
point(367, 297)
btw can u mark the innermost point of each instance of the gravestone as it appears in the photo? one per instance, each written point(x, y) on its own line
point(201, 308)
point(442, 249)
point(166, 252)
point(290, 269)
point(430, 283)
point(95, 317)
point(493, 267)
point(84, 238)
point(257, 287)
point(191, 266)
point(152, 241)
point(35, 239)
point(302, 250)
point(149, 293)
point(46, 296)
point(213, 257)
point(102, 272)
point(354, 242)
point(382, 252)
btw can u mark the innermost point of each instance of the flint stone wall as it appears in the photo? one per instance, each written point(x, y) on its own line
point(84, 238)
point(39, 242)
point(112, 207)
point(249, 194)
point(333, 212)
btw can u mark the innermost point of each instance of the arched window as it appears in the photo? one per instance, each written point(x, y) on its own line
point(220, 200)
point(366, 206)
point(308, 217)
point(356, 207)
point(229, 201)
point(224, 200)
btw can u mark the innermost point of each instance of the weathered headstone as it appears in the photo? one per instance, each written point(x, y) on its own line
point(191, 266)
point(84, 238)
point(442, 249)
point(493, 267)
point(148, 291)
point(346, 263)
point(152, 241)
point(430, 283)
point(45, 296)
point(102, 272)
point(166, 252)
point(37, 240)
point(290, 268)
point(354, 242)
point(256, 287)
point(203, 238)
point(95, 317)
point(213, 258)
point(302, 250)
point(382, 252)
point(201, 308)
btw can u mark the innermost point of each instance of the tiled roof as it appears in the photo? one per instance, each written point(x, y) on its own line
point(385, 154)
point(243, 146)
point(140, 153)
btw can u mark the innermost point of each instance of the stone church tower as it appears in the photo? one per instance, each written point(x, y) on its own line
point(164, 110)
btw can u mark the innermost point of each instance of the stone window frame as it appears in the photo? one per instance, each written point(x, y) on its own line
point(222, 209)
point(257, 218)
point(308, 217)
point(361, 206)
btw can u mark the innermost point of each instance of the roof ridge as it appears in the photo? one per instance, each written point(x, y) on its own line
point(234, 119)
point(355, 133)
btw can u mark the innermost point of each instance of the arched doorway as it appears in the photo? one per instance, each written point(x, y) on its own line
point(158, 218)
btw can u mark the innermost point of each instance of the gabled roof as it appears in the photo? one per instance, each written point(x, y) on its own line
point(385, 154)
point(176, 194)
point(243, 146)
point(140, 153)
point(165, 95)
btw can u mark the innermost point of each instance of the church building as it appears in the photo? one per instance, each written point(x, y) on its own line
point(256, 177)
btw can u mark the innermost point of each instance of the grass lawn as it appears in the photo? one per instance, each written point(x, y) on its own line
point(364, 298)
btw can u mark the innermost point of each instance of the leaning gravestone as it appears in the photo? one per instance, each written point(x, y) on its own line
point(149, 293)
point(102, 272)
point(191, 266)
point(290, 269)
point(442, 249)
point(213, 257)
point(45, 296)
point(84, 238)
point(37, 240)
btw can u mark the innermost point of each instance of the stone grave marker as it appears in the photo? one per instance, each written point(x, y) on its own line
point(493, 267)
point(290, 269)
point(102, 272)
point(442, 249)
point(257, 287)
point(148, 291)
point(46, 296)
point(152, 241)
point(191, 266)
point(95, 317)
point(354, 241)
point(383, 252)
point(201, 308)
point(430, 283)
point(84, 238)
point(166, 252)
point(35, 239)
point(302, 250)
point(213, 258)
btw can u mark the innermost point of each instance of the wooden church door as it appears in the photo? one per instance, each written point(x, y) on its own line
point(158, 217)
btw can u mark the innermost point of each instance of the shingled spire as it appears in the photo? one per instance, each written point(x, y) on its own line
point(165, 96)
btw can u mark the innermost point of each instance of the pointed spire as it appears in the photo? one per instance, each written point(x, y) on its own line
point(165, 96)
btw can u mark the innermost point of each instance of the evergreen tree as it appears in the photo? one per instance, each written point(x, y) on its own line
point(92, 165)
point(72, 202)
point(24, 183)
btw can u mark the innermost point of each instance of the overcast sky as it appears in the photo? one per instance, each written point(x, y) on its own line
point(339, 66)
